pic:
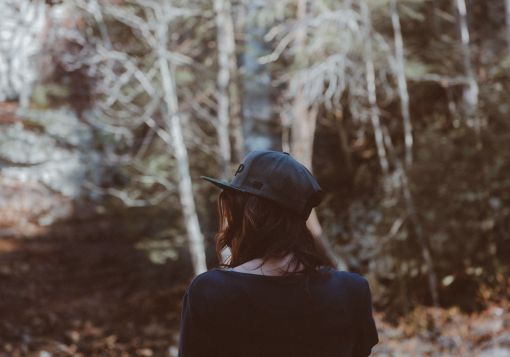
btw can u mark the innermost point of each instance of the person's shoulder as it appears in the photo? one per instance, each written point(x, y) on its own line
point(206, 280)
point(212, 285)
point(211, 288)
point(353, 278)
point(350, 280)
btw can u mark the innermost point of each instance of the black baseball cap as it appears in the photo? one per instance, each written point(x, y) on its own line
point(276, 176)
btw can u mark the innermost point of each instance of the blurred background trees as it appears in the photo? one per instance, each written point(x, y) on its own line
point(111, 110)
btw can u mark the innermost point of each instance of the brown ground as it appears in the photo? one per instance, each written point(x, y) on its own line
point(484, 334)
point(89, 298)
point(101, 297)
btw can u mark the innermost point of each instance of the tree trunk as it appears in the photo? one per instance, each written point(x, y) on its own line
point(402, 83)
point(173, 123)
point(470, 93)
point(418, 230)
point(303, 126)
point(417, 226)
point(235, 113)
point(227, 91)
point(371, 90)
point(235, 95)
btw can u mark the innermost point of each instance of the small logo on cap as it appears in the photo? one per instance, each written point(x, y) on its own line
point(239, 169)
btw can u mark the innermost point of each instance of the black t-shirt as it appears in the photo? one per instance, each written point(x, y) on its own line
point(226, 313)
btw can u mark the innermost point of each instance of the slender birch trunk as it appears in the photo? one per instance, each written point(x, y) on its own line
point(226, 50)
point(371, 90)
point(471, 91)
point(235, 94)
point(402, 82)
point(303, 126)
point(173, 123)
point(226, 63)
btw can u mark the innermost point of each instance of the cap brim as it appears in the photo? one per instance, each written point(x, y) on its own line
point(221, 183)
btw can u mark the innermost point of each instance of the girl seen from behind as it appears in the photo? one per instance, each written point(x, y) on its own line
point(278, 294)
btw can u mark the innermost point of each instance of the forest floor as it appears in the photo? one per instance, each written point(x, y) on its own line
point(482, 334)
point(96, 297)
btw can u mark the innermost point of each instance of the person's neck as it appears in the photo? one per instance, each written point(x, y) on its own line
point(273, 266)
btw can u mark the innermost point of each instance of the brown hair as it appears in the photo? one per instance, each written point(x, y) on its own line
point(254, 227)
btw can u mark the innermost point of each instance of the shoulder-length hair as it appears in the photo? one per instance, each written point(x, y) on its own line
point(254, 227)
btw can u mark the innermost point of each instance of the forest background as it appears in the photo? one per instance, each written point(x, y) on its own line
point(111, 110)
